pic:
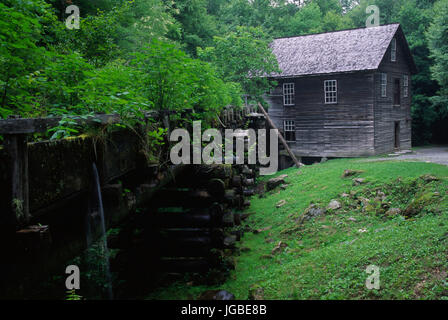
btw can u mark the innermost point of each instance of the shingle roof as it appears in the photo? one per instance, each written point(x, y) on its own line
point(340, 51)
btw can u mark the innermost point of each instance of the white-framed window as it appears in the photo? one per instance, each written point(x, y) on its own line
point(393, 50)
point(331, 91)
point(384, 85)
point(288, 94)
point(405, 86)
point(289, 127)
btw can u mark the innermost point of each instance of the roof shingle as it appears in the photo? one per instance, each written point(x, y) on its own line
point(340, 51)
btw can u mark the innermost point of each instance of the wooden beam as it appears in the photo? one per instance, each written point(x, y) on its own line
point(283, 141)
point(17, 148)
point(32, 125)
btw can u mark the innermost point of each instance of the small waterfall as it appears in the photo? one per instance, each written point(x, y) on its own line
point(103, 239)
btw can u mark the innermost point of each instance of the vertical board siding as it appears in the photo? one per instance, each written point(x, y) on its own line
point(331, 130)
point(361, 122)
point(386, 114)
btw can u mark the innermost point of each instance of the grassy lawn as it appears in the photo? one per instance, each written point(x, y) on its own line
point(326, 256)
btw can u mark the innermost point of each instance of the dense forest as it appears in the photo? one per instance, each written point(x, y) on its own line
point(131, 56)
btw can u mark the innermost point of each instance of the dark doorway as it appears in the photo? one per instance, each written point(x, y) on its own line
point(397, 93)
point(397, 135)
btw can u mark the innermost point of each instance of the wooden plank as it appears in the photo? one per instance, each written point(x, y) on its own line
point(32, 125)
point(291, 154)
point(331, 130)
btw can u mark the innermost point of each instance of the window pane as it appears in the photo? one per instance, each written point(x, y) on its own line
point(384, 84)
point(394, 50)
point(405, 86)
point(288, 93)
point(330, 87)
point(289, 128)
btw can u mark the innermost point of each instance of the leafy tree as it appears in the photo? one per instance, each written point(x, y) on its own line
point(198, 27)
point(328, 6)
point(21, 29)
point(244, 57)
point(119, 31)
point(348, 5)
point(307, 20)
point(438, 44)
point(274, 17)
point(333, 22)
point(174, 81)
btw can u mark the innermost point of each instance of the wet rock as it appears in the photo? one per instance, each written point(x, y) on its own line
point(230, 241)
point(244, 216)
point(429, 178)
point(279, 247)
point(246, 171)
point(349, 173)
point(359, 181)
point(311, 212)
point(283, 186)
point(385, 206)
point(381, 195)
point(363, 201)
point(417, 205)
point(256, 293)
point(275, 182)
point(349, 242)
point(280, 204)
point(216, 295)
point(334, 205)
point(393, 212)
point(262, 229)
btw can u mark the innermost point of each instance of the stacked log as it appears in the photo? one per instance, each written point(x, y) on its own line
point(196, 216)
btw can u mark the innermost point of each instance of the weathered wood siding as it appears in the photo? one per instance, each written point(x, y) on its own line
point(344, 129)
point(386, 114)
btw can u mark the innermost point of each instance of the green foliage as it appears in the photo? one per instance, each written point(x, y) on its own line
point(73, 296)
point(198, 27)
point(174, 81)
point(438, 44)
point(333, 22)
point(20, 31)
point(113, 64)
point(117, 62)
point(326, 257)
point(307, 20)
point(243, 57)
point(415, 17)
point(114, 88)
point(119, 31)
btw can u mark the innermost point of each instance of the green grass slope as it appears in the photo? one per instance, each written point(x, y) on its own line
point(326, 256)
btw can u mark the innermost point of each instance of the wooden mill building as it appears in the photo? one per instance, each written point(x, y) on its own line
point(345, 93)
